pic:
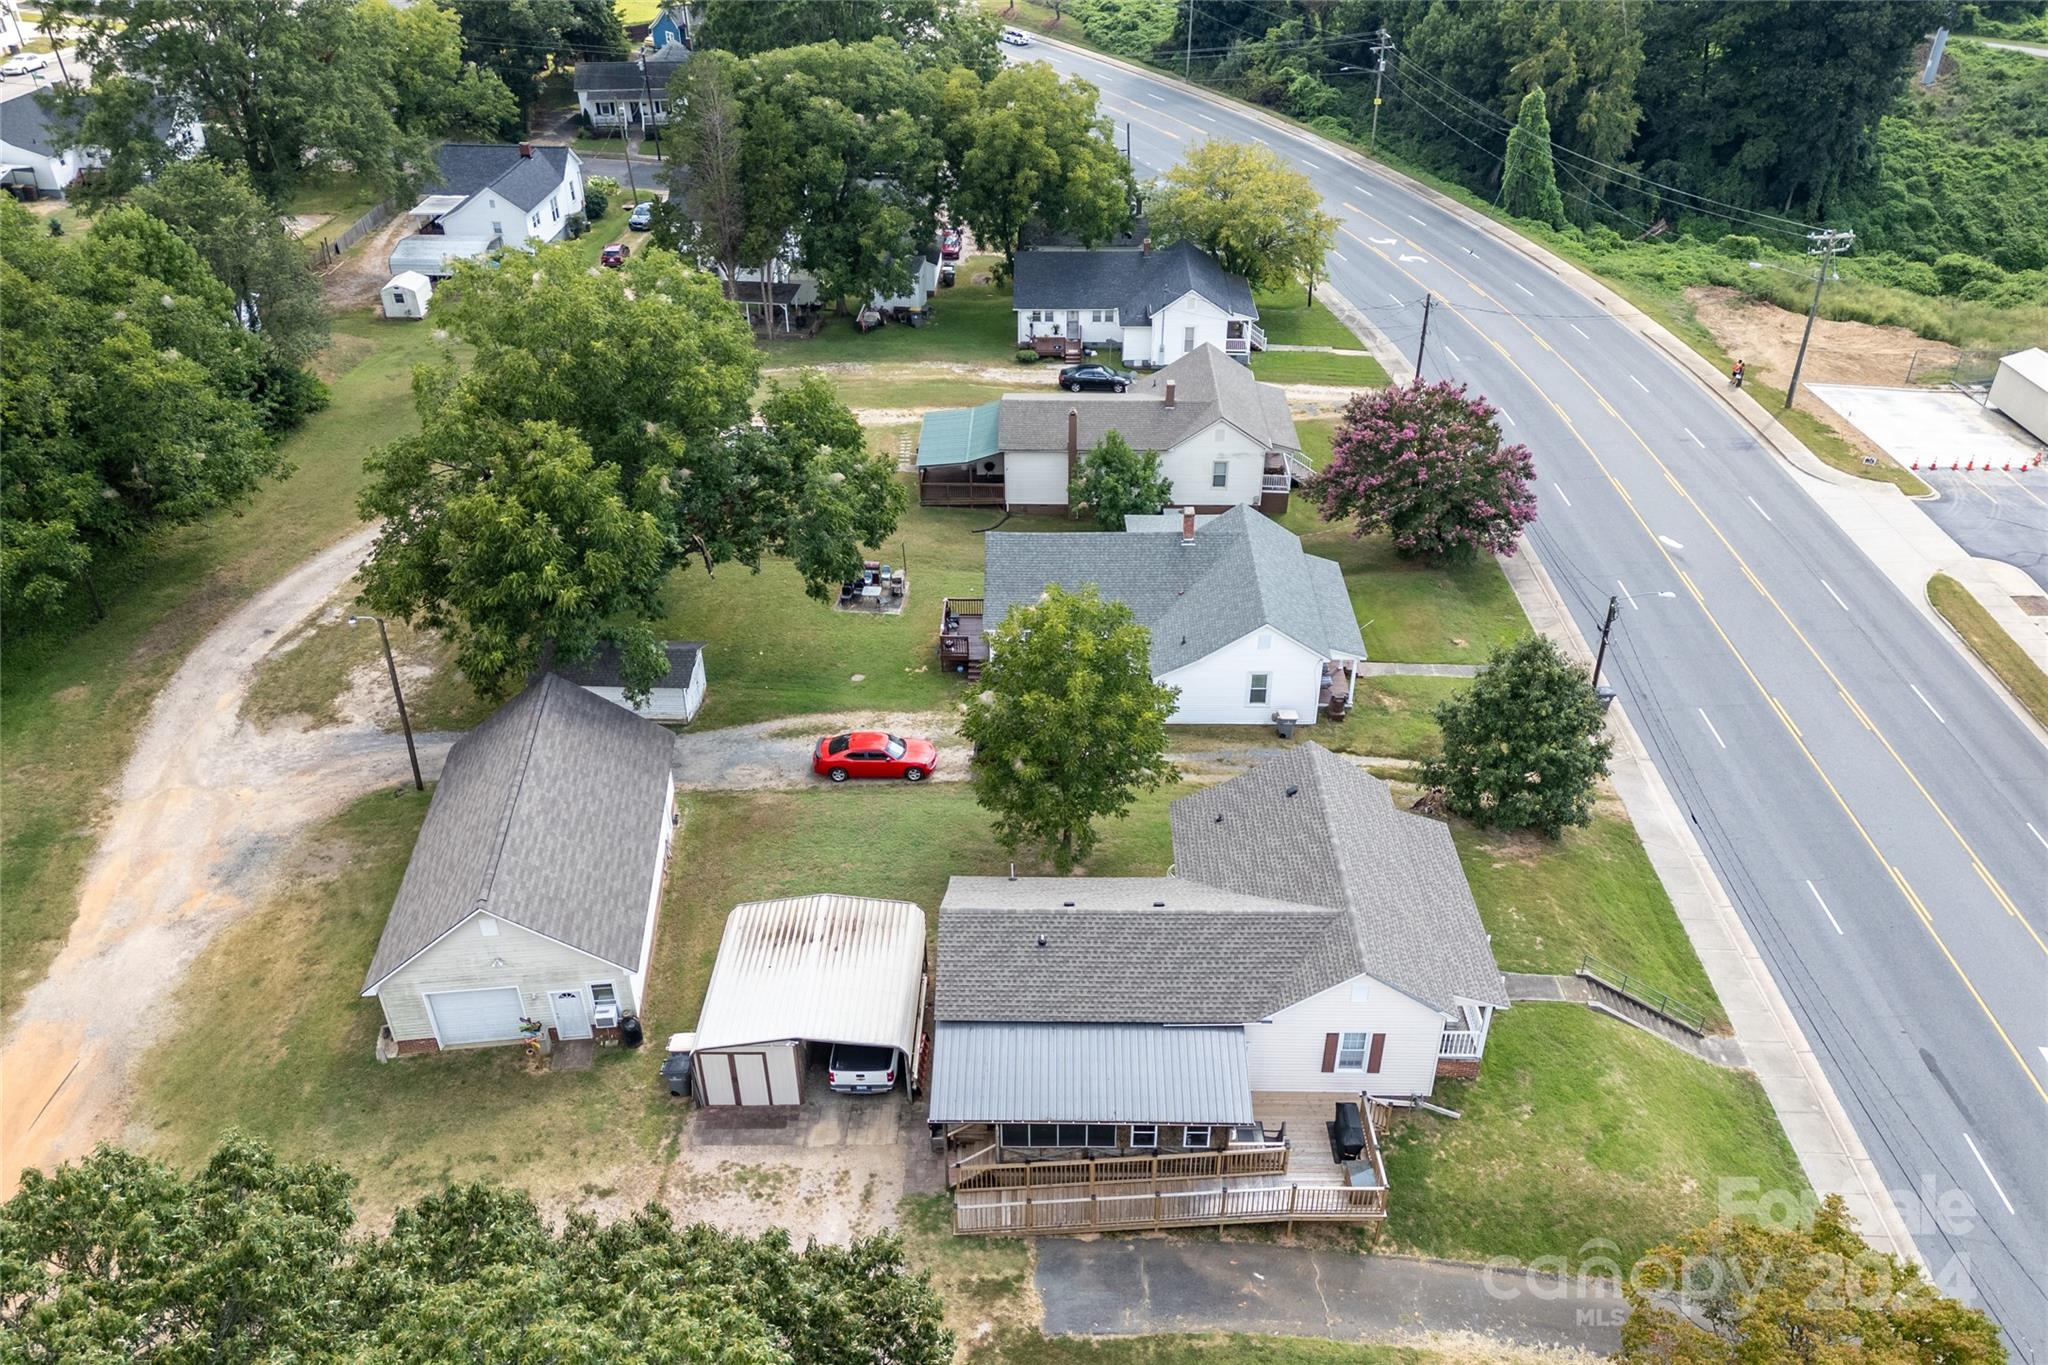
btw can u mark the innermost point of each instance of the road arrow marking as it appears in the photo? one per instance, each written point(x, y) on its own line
point(1407, 257)
point(1381, 241)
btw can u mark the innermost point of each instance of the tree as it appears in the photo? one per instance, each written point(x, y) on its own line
point(1735, 1291)
point(1129, 28)
point(1528, 187)
point(242, 241)
point(706, 161)
point(931, 33)
point(1069, 726)
point(254, 1259)
point(1426, 463)
point(517, 40)
point(598, 193)
point(1522, 747)
point(1254, 213)
point(438, 88)
point(1028, 146)
point(126, 400)
point(1118, 482)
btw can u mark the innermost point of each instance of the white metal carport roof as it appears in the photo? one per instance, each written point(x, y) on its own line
point(829, 969)
point(434, 205)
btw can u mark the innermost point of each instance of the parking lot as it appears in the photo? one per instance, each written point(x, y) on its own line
point(1992, 511)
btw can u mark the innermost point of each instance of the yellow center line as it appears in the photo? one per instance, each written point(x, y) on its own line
point(1812, 759)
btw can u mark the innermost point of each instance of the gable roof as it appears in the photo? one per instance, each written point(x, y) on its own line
point(1339, 841)
point(1134, 282)
point(627, 77)
point(1208, 387)
point(830, 969)
point(469, 168)
point(1242, 572)
point(546, 816)
point(601, 669)
point(26, 122)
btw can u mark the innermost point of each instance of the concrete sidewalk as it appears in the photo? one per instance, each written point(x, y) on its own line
point(1142, 1286)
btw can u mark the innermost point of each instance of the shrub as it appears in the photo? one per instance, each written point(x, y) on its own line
point(1740, 246)
point(1522, 747)
point(286, 396)
point(1117, 481)
point(598, 193)
point(1026, 356)
point(1957, 270)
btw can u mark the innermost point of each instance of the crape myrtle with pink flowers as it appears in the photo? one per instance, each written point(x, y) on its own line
point(1425, 463)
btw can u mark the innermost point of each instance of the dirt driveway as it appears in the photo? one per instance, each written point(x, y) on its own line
point(777, 753)
point(204, 810)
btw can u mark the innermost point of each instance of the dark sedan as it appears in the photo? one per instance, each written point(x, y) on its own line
point(1075, 378)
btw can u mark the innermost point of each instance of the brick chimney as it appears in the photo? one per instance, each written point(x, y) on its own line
point(1187, 525)
point(526, 149)
point(1169, 393)
point(1073, 443)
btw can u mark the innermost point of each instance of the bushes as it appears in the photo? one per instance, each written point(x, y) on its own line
point(1957, 272)
point(598, 193)
point(1740, 246)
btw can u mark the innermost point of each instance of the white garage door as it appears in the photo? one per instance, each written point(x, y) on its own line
point(460, 1017)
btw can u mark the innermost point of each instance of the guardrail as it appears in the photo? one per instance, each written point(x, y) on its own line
point(1650, 997)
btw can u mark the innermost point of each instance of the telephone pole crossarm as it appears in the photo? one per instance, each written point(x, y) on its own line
point(1827, 244)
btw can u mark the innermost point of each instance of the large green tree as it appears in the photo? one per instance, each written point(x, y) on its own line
point(1522, 747)
point(1528, 187)
point(932, 33)
point(518, 40)
point(126, 388)
point(706, 150)
point(1244, 205)
point(1069, 726)
point(255, 1258)
point(1028, 146)
point(438, 88)
point(1117, 482)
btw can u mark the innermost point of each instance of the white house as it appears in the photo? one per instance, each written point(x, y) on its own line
point(1224, 439)
point(924, 282)
point(1245, 624)
point(488, 195)
point(35, 147)
point(533, 889)
point(1313, 941)
point(406, 295)
point(632, 94)
point(1156, 306)
point(675, 696)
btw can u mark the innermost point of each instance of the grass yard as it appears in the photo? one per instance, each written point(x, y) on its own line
point(1593, 891)
point(1392, 718)
point(72, 698)
point(904, 388)
point(971, 324)
point(274, 1041)
point(1582, 1138)
point(1416, 613)
point(1289, 320)
point(345, 197)
point(1990, 642)
point(606, 230)
point(1319, 367)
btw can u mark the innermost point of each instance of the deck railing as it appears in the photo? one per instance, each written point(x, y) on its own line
point(1458, 1045)
point(1687, 1016)
point(1256, 1159)
point(1162, 1204)
point(960, 493)
point(1276, 483)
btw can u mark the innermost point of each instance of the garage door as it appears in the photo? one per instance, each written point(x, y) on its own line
point(460, 1017)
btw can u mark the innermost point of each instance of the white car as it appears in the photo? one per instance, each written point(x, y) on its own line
point(1016, 37)
point(24, 64)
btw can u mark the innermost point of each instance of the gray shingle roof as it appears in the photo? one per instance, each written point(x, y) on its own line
point(1089, 1073)
point(1340, 841)
point(601, 669)
point(1208, 956)
point(1244, 571)
point(466, 168)
point(1207, 386)
point(26, 123)
point(1135, 283)
point(546, 815)
point(600, 78)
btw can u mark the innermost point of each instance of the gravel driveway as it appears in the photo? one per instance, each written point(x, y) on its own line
point(777, 753)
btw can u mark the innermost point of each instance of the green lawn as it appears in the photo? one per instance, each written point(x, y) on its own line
point(1582, 1138)
point(1290, 320)
point(1392, 718)
point(1319, 367)
point(1593, 891)
point(346, 197)
point(72, 698)
point(1990, 642)
point(971, 324)
point(906, 387)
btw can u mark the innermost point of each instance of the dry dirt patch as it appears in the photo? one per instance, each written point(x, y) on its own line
point(1767, 336)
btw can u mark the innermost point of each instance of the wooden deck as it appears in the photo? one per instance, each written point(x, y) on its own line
point(961, 645)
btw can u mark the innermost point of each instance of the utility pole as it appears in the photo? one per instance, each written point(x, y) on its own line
point(1383, 43)
point(404, 721)
point(1187, 60)
point(1423, 340)
point(648, 90)
point(1613, 606)
point(1826, 242)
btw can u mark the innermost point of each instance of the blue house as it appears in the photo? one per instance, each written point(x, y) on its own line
point(671, 26)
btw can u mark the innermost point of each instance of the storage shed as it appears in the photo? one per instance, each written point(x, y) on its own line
point(809, 970)
point(405, 295)
point(675, 696)
point(2020, 390)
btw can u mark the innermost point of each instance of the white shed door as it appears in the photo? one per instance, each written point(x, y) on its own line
point(752, 1070)
point(487, 1016)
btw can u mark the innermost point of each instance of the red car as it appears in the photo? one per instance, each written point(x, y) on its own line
point(949, 245)
point(870, 753)
point(614, 255)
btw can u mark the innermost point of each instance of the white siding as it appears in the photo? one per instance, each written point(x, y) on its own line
point(1170, 324)
point(1214, 688)
point(636, 982)
point(1286, 1053)
point(462, 961)
point(476, 217)
point(1060, 322)
point(1191, 464)
point(1032, 477)
point(716, 1068)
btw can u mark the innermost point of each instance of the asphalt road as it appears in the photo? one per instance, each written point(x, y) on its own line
point(1995, 514)
point(1878, 816)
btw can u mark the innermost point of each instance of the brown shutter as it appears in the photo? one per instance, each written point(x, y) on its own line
point(1329, 1052)
point(1379, 1046)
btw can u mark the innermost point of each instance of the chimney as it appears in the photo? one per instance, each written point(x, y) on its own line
point(1073, 443)
point(1187, 525)
point(1169, 393)
point(526, 149)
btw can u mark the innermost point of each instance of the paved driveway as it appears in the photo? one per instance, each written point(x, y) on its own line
point(1127, 1287)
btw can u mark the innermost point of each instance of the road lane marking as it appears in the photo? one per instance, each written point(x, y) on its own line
point(1524, 288)
point(1575, 327)
point(1392, 295)
point(1201, 115)
point(1413, 219)
point(1639, 383)
point(2023, 488)
point(1710, 728)
point(1824, 907)
point(1668, 541)
point(1926, 703)
point(2037, 834)
point(1160, 99)
point(1985, 1166)
point(1832, 593)
point(1340, 256)
point(1760, 509)
point(1505, 414)
point(1453, 355)
point(1695, 440)
point(1562, 494)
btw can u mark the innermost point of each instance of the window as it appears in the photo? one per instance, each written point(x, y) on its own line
point(602, 994)
point(555, 207)
point(1265, 642)
point(1102, 1135)
point(1144, 1135)
point(1219, 474)
point(1187, 342)
point(487, 926)
point(604, 109)
point(895, 747)
point(1196, 1140)
point(839, 744)
point(661, 108)
point(1351, 1051)
point(1255, 695)
point(1016, 1135)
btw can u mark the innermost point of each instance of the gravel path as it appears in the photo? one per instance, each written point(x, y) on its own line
point(204, 809)
point(777, 753)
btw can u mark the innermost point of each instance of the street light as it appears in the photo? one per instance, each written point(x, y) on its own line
point(404, 721)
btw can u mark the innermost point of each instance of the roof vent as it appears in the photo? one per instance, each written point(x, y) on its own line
point(1158, 905)
point(1069, 905)
point(1293, 790)
point(1219, 817)
point(1043, 940)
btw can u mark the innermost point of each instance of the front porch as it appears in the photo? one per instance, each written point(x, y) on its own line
point(1339, 686)
point(1259, 1174)
point(1241, 338)
point(961, 646)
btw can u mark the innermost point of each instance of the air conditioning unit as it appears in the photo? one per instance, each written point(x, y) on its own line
point(605, 1016)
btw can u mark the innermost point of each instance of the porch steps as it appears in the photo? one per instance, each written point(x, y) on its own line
point(1600, 996)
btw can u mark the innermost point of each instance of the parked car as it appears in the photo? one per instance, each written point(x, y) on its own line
point(24, 64)
point(871, 753)
point(614, 255)
point(1016, 37)
point(947, 271)
point(1075, 378)
point(949, 245)
point(642, 217)
point(856, 1070)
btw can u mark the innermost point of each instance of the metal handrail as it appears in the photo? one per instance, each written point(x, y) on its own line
point(1650, 997)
